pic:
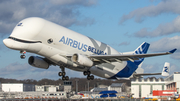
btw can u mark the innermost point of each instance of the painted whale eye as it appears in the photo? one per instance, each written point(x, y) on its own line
point(50, 40)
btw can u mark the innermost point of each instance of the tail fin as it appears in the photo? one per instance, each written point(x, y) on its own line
point(142, 49)
point(165, 71)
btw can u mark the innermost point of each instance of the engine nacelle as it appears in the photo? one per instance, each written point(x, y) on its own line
point(38, 62)
point(82, 60)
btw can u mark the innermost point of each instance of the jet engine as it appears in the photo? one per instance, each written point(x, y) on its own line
point(38, 62)
point(82, 60)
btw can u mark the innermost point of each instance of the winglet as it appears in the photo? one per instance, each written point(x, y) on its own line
point(172, 51)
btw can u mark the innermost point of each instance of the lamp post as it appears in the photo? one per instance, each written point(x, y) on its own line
point(77, 85)
point(85, 87)
point(88, 85)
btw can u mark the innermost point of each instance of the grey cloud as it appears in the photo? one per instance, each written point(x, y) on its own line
point(40, 75)
point(174, 68)
point(86, 21)
point(19, 70)
point(176, 55)
point(14, 68)
point(163, 29)
point(1, 46)
point(150, 68)
point(123, 43)
point(74, 2)
point(63, 12)
point(166, 6)
point(25, 71)
point(167, 44)
point(158, 67)
point(51, 73)
point(151, 0)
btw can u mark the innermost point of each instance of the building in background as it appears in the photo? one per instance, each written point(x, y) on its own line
point(99, 88)
point(0, 87)
point(20, 90)
point(67, 86)
point(17, 87)
point(47, 88)
point(39, 88)
point(116, 86)
point(173, 82)
point(144, 87)
point(119, 87)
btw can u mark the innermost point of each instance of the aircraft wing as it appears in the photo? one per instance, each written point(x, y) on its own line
point(129, 57)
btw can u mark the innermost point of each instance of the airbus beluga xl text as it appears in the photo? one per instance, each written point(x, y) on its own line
point(63, 47)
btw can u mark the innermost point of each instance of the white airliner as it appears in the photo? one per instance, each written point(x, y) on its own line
point(66, 48)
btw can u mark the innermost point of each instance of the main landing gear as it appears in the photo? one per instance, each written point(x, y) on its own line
point(23, 56)
point(89, 76)
point(63, 73)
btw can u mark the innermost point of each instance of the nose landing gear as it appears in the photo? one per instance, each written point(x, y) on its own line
point(23, 56)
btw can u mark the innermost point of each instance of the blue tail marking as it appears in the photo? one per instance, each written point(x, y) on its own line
point(128, 70)
point(142, 49)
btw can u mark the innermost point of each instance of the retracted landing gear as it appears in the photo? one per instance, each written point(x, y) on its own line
point(89, 76)
point(23, 56)
point(63, 73)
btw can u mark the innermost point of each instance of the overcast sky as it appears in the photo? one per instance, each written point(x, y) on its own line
point(122, 24)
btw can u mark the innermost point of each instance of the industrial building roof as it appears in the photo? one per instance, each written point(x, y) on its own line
point(116, 85)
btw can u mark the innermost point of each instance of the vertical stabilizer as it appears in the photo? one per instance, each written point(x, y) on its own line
point(142, 49)
point(165, 71)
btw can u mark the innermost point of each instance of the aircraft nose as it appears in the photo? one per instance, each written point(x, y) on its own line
point(12, 44)
point(7, 43)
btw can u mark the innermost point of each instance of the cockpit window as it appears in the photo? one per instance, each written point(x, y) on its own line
point(24, 41)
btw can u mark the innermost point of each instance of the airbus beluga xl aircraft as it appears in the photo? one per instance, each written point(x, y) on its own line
point(63, 47)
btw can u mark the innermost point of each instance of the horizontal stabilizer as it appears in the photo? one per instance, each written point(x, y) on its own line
point(123, 78)
point(145, 74)
point(165, 72)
